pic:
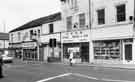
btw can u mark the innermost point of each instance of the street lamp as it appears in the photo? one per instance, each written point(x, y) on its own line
point(91, 55)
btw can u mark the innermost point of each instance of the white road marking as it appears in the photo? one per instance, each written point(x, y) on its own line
point(54, 77)
point(103, 79)
point(83, 76)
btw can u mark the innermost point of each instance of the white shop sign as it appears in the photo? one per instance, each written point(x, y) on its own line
point(45, 38)
point(30, 44)
point(75, 36)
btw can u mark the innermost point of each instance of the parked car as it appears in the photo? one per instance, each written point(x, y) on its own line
point(7, 59)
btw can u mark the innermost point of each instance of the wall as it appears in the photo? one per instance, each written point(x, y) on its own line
point(113, 32)
point(24, 36)
point(112, 29)
point(58, 27)
point(83, 7)
point(4, 44)
point(110, 11)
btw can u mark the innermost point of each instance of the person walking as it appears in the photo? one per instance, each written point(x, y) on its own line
point(1, 70)
point(71, 58)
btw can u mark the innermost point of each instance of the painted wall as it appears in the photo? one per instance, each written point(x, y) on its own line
point(24, 35)
point(82, 7)
point(4, 44)
point(58, 27)
point(110, 11)
point(112, 29)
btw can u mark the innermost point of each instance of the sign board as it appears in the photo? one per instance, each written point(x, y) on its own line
point(76, 36)
point(29, 44)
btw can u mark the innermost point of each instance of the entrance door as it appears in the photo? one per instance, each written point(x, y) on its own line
point(85, 52)
point(128, 51)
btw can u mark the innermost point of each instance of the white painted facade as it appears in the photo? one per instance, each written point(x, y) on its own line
point(58, 27)
point(111, 30)
point(4, 44)
point(68, 10)
point(46, 36)
point(24, 35)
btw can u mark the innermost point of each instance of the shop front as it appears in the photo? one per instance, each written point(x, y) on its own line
point(15, 49)
point(51, 50)
point(113, 51)
point(76, 42)
point(29, 50)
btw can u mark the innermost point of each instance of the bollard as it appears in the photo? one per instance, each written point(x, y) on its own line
point(1, 69)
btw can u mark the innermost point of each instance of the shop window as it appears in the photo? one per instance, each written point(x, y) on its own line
point(82, 20)
point(101, 16)
point(121, 12)
point(69, 23)
point(107, 50)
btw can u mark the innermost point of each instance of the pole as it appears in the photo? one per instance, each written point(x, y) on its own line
point(61, 49)
point(4, 29)
point(91, 56)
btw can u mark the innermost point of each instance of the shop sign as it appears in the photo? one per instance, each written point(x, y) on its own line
point(46, 38)
point(31, 44)
point(75, 36)
point(16, 45)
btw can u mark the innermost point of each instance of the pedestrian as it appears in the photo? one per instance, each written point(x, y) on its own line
point(1, 64)
point(71, 58)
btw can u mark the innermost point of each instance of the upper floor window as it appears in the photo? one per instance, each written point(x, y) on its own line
point(82, 20)
point(72, 4)
point(39, 32)
point(31, 34)
point(19, 36)
point(51, 28)
point(11, 37)
point(121, 12)
point(101, 16)
point(69, 23)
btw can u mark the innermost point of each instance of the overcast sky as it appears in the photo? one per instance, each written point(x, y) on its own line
point(14, 13)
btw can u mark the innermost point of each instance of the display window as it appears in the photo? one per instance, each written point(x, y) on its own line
point(107, 49)
point(80, 51)
point(30, 54)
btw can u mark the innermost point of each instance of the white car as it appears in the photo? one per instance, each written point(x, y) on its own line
point(7, 59)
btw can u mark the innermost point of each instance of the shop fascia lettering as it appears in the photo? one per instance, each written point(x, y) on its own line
point(77, 35)
point(29, 44)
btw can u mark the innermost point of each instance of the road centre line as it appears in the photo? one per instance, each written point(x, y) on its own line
point(54, 77)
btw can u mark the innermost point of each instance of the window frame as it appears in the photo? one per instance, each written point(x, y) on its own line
point(121, 14)
point(82, 17)
point(69, 22)
point(51, 28)
point(101, 16)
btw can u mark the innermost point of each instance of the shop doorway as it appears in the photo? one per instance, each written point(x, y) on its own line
point(128, 52)
point(85, 52)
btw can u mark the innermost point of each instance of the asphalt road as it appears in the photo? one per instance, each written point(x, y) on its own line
point(64, 73)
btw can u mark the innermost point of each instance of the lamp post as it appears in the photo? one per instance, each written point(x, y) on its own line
point(91, 55)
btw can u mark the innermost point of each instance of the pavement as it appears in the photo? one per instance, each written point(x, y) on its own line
point(116, 66)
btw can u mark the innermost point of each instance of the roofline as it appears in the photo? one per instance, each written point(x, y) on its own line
point(38, 22)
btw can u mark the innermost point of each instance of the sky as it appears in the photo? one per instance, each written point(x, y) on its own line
point(14, 13)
